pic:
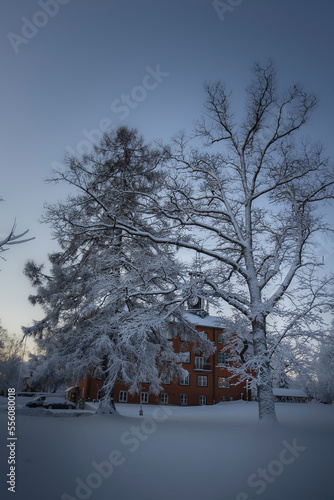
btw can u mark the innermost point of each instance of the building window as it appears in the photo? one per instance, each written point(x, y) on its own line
point(144, 397)
point(202, 380)
point(185, 380)
point(185, 336)
point(223, 358)
point(165, 378)
point(167, 333)
point(184, 357)
point(164, 398)
point(222, 338)
point(223, 382)
point(123, 396)
point(184, 399)
point(202, 400)
point(199, 363)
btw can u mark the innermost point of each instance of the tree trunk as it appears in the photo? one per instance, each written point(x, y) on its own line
point(107, 400)
point(107, 403)
point(264, 379)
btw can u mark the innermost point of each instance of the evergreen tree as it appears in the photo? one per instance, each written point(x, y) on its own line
point(109, 295)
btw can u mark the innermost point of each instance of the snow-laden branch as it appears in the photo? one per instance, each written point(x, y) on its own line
point(14, 239)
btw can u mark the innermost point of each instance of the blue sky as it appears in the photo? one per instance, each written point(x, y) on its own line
point(64, 79)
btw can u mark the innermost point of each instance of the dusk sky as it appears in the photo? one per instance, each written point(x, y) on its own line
point(66, 68)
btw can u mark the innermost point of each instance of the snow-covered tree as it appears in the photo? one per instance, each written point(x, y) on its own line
point(246, 201)
point(108, 296)
point(325, 369)
point(11, 353)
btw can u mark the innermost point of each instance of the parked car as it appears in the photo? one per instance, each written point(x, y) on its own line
point(57, 402)
point(36, 402)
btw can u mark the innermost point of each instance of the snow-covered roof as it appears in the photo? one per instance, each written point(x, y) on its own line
point(293, 393)
point(211, 321)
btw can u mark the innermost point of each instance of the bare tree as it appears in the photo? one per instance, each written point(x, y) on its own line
point(246, 202)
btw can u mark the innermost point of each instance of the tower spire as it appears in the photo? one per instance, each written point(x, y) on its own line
point(196, 304)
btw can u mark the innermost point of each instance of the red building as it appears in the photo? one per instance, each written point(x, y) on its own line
point(209, 380)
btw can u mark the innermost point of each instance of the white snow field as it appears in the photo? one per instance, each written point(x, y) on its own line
point(216, 452)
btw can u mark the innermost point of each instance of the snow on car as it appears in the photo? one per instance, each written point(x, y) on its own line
point(34, 403)
point(57, 403)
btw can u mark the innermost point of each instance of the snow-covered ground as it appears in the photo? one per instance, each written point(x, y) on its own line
point(216, 452)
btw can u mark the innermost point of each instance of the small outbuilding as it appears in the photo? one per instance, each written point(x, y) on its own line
point(290, 395)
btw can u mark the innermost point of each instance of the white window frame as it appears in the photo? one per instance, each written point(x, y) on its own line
point(225, 358)
point(202, 400)
point(164, 398)
point(222, 338)
point(201, 379)
point(185, 336)
point(123, 397)
point(183, 399)
point(185, 380)
point(199, 362)
point(144, 397)
point(223, 382)
point(185, 357)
